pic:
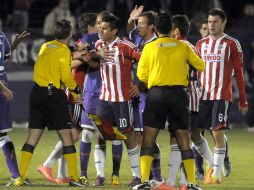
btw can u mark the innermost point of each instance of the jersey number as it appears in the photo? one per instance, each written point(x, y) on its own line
point(123, 122)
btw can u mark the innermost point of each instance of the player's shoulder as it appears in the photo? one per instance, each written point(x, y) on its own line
point(123, 41)
point(203, 40)
point(231, 40)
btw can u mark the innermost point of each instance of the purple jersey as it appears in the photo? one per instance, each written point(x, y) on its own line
point(92, 82)
point(5, 52)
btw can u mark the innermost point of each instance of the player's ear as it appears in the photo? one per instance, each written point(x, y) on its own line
point(115, 31)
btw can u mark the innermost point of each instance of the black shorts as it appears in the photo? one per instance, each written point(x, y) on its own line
point(119, 114)
point(213, 114)
point(167, 102)
point(48, 111)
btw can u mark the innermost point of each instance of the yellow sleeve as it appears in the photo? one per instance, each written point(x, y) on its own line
point(143, 66)
point(194, 59)
point(65, 70)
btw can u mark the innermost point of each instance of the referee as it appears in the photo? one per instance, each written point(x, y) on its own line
point(163, 67)
point(48, 102)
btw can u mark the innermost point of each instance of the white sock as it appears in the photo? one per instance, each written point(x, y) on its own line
point(204, 150)
point(219, 155)
point(134, 156)
point(174, 162)
point(183, 178)
point(61, 168)
point(54, 155)
point(99, 159)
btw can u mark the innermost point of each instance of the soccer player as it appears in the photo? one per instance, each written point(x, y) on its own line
point(141, 35)
point(114, 106)
point(203, 29)
point(48, 101)
point(180, 29)
point(6, 95)
point(224, 58)
point(167, 96)
point(92, 87)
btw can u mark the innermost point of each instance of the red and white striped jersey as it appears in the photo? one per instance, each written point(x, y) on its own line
point(223, 58)
point(193, 84)
point(116, 74)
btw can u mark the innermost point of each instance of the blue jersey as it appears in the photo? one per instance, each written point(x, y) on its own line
point(92, 82)
point(5, 52)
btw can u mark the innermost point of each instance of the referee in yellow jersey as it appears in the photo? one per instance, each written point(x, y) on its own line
point(163, 67)
point(48, 102)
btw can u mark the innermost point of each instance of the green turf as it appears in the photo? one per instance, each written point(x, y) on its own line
point(241, 154)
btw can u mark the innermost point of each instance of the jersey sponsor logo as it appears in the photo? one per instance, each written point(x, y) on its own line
point(169, 44)
point(212, 57)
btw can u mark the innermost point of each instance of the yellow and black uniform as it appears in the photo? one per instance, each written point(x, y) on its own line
point(48, 101)
point(50, 109)
point(163, 66)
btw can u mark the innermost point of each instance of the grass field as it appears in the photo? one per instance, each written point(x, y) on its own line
point(241, 154)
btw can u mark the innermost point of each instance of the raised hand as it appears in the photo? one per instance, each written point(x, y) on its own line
point(18, 39)
point(136, 12)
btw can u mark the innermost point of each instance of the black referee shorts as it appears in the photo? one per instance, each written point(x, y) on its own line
point(48, 111)
point(167, 102)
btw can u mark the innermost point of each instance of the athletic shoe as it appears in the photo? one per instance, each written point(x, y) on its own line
point(144, 186)
point(83, 180)
point(208, 175)
point(74, 183)
point(15, 182)
point(213, 180)
point(193, 187)
point(62, 180)
point(27, 182)
point(182, 187)
point(99, 181)
point(199, 175)
point(226, 169)
point(47, 172)
point(162, 186)
point(115, 180)
point(135, 181)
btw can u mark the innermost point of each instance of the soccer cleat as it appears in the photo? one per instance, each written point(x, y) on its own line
point(144, 186)
point(62, 180)
point(73, 183)
point(99, 181)
point(47, 172)
point(199, 175)
point(226, 169)
point(83, 180)
point(135, 181)
point(27, 182)
point(182, 187)
point(208, 175)
point(15, 182)
point(213, 180)
point(193, 187)
point(162, 186)
point(115, 180)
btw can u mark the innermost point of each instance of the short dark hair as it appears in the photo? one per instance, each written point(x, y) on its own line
point(150, 15)
point(163, 23)
point(218, 12)
point(181, 22)
point(62, 29)
point(104, 13)
point(113, 21)
point(85, 20)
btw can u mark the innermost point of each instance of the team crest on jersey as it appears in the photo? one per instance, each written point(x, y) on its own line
point(220, 47)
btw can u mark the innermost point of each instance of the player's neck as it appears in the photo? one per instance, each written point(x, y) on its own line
point(111, 40)
point(148, 37)
point(216, 36)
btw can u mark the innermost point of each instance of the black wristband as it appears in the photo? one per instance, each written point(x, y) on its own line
point(77, 90)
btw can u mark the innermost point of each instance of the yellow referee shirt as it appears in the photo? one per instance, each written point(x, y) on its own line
point(164, 63)
point(53, 65)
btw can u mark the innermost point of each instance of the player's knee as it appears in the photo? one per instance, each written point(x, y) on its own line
point(87, 136)
point(4, 139)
